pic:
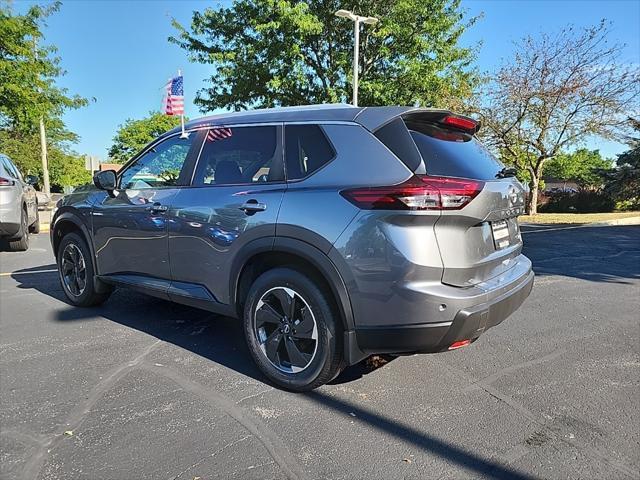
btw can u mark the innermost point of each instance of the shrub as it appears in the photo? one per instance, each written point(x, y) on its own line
point(584, 201)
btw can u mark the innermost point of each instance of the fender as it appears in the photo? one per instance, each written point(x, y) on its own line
point(304, 250)
point(70, 215)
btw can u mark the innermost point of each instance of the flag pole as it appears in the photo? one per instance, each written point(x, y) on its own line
point(183, 134)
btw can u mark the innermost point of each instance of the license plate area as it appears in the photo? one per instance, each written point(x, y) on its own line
point(505, 232)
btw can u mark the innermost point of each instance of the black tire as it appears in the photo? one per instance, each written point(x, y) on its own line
point(310, 303)
point(21, 242)
point(81, 293)
point(35, 226)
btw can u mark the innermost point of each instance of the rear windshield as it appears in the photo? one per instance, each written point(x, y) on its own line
point(450, 153)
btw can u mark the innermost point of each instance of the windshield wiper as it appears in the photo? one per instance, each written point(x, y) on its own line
point(506, 172)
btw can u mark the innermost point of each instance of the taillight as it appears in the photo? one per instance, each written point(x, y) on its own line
point(420, 192)
point(463, 123)
point(6, 182)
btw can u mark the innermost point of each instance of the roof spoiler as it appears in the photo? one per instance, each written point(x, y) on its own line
point(374, 118)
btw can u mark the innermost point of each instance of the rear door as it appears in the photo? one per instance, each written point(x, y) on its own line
point(481, 240)
point(234, 198)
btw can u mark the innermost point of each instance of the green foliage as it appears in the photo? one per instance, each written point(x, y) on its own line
point(269, 53)
point(28, 91)
point(623, 183)
point(583, 166)
point(65, 167)
point(134, 135)
point(29, 71)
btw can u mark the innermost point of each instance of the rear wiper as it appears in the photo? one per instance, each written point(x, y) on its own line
point(506, 172)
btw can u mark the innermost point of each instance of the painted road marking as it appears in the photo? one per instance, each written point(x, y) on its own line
point(6, 274)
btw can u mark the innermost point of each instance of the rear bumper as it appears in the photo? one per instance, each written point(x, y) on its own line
point(501, 298)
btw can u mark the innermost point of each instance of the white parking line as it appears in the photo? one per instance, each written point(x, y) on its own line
point(6, 274)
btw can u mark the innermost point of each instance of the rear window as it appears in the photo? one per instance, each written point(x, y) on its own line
point(450, 153)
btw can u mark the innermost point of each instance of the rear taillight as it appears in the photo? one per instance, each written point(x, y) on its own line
point(420, 192)
point(6, 182)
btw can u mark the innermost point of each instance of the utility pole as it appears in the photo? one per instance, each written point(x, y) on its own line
point(43, 142)
point(45, 165)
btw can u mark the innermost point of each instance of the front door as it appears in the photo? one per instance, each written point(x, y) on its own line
point(234, 198)
point(130, 228)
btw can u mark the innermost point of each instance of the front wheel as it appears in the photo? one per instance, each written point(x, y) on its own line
point(75, 269)
point(292, 330)
point(35, 226)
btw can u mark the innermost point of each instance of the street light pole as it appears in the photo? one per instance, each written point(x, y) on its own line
point(356, 59)
point(356, 19)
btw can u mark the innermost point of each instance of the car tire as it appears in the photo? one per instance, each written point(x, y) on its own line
point(292, 330)
point(21, 243)
point(35, 226)
point(76, 273)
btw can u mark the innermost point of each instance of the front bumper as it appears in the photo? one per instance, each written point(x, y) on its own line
point(502, 297)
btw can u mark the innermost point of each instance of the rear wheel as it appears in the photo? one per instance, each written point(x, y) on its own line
point(21, 243)
point(292, 331)
point(76, 272)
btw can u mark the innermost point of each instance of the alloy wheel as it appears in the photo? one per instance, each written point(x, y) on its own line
point(286, 329)
point(73, 270)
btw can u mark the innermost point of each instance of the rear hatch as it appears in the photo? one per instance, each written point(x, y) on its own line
point(481, 239)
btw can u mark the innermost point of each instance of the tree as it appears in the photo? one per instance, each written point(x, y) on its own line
point(623, 183)
point(134, 135)
point(585, 167)
point(558, 91)
point(28, 93)
point(269, 53)
point(29, 71)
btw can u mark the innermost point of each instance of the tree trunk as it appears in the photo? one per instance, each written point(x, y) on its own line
point(532, 204)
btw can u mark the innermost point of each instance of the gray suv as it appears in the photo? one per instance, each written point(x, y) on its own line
point(333, 232)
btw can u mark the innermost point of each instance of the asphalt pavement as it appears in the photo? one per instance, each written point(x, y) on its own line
point(144, 389)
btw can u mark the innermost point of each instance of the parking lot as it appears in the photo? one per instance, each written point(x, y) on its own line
point(144, 389)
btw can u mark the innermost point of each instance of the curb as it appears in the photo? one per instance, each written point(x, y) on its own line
point(45, 227)
point(620, 221)
point(604, 223)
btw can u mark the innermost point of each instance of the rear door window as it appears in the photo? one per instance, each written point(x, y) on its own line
point(307, 150)
point(450, 153)
point(240, 155)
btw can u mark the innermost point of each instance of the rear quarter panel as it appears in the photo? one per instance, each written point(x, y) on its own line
point(313, 209)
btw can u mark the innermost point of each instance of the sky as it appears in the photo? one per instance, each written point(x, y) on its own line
point(117, 52)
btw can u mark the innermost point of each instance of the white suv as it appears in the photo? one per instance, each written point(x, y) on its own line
point(18, 206)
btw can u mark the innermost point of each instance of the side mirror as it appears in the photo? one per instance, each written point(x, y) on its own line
point(105, 180)
point(31, 179)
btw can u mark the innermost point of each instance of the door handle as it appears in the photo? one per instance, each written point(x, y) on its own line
point(157, 208)
point(252, 206)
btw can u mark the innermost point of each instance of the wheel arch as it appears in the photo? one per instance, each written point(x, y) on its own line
point(264, 254)
point(69, 222)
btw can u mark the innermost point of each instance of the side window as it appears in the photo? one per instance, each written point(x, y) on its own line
point(307, 149)
point(159, 167)
point(240, 155)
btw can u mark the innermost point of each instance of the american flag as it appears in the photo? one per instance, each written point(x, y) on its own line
point(173, 103)
point(218, 133)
